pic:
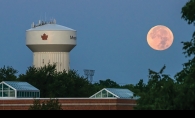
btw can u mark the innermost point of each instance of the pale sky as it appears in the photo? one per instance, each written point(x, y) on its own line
point(111, 35)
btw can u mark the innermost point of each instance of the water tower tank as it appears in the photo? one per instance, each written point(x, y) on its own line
point(51, 43)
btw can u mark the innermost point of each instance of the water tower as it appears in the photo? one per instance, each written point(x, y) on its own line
point(50, 43)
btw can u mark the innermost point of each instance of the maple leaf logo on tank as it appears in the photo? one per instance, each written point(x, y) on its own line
point(44, 36)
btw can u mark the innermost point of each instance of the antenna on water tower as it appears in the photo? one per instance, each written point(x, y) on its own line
point(89, 73)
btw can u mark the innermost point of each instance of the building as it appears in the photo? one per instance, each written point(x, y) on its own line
point(72, 103)
point(105, 99)
point(113, 93)
point(14, 89)
point(51, 44)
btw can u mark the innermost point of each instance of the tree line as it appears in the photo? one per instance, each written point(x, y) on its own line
point(56, 84)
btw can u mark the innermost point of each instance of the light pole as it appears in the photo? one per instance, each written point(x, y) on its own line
point(89, 73)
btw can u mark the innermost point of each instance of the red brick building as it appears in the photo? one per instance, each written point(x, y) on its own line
point(19, 96)
point(72, 103)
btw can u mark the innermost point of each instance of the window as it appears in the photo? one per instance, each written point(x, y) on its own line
point(18, 94)
point(27, 94)
point(12, 93)
point(5, 87)
point(0, 86)
point(0, 90)
point(37, 94)
point(5, 93)
point(22, 95)
point(99, 95)
point(33, 95)
point(104, 93)
point(110, 95)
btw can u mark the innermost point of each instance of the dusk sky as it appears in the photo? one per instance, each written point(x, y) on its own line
point(111, 35)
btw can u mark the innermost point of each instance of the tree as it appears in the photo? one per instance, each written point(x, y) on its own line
point(158, 93)
point(72, 85)
point(188, 12)
point(42, 78)
point(139, 88)
point(129, 86)
point(186, 77)
point(57, 84)
point(52, 104)
point(8, 74)
point(108, 83)
point(36, 105)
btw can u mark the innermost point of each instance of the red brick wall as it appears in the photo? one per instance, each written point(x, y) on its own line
point(72, 104)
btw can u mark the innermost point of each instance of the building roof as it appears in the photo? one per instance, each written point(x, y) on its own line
point(113, 92)
point(50, 27)
point(21, 86)
point(121, 93)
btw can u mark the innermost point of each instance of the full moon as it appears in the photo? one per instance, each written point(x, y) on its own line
point(160, 37)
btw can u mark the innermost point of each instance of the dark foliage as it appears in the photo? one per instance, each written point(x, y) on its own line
point(52, 104)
